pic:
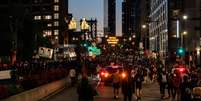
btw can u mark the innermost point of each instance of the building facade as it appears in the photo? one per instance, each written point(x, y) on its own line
point(177, 25)
point(55, 14)
point(143, 37)
point(110, 17)
point(158, 26)
point(131, 18)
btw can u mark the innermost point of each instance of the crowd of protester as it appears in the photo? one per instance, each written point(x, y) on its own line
point(176, 81)
point(30, 74)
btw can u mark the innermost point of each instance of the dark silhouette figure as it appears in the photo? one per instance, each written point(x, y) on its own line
point(85, 90)
point(127, 87)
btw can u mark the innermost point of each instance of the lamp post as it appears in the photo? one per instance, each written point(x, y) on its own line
point(84, 26)
point(183, 34)
point(198, 55)
point(185, 17)
point(72, 26)
point(145, 36)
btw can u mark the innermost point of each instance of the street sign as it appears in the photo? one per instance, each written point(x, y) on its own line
point(94, 50)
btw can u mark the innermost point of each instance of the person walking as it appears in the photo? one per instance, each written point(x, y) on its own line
point(139, 79)
point(162, 79)
point(169, 83)
point(133, 74)
point(116, 84)
point(85, 91)
point(127, 88)
point(185, 89)
point(72, 74)
point(176, 81)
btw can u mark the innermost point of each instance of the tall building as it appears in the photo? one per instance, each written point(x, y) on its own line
point(191, 25)
point(55, 14)
point(131, 17)
point(22, 20)
point(172, 29)
point(93, 28)
point(158, 26)
point(14, 18)
point(144, 21)
point(110, 17)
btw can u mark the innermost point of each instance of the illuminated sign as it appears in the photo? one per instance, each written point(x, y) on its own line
point(94, 50)
point(112, 40)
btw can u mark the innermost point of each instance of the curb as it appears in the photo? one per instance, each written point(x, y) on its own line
point(67, 85)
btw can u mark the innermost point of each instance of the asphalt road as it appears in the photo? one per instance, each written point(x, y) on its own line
point(150, 93)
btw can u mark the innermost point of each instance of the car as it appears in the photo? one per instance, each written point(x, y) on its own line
point(106, 73)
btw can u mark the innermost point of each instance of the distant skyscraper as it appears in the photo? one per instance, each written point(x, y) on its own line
point(110, 17)
point(131, 17)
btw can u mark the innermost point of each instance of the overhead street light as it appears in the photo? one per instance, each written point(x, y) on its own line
point(144, 26)
point(185, 17)
point(185, 33)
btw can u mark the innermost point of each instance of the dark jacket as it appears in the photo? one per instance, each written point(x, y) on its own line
point(185, 91)
point(85, 90)
point(127, 86)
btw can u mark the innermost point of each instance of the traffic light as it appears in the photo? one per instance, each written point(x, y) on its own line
point(85, 44)
point(180, 51)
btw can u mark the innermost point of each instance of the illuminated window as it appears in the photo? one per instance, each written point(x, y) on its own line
point(56, 37)
point(56, 8)
point(47, 17)
point(49, 25)
point(56, 1)
point(47, 33)
point(56, 32)
point(37, 17)
point(56, 23)
point(56, 15)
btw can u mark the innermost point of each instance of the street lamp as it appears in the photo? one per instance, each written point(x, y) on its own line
point(185, 33)
point(198, 54)
point(144, 26)
point(185, 17)
point(84, 26)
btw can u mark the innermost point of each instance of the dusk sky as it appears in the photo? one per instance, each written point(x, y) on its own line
point(88, 9)
point(93, 9)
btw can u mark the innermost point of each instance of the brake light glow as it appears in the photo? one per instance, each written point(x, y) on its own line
point(181, 69)
point(102, 73)
point(123, 75)
point(106, 74)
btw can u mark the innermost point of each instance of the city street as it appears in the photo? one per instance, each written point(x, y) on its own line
point(150, 93)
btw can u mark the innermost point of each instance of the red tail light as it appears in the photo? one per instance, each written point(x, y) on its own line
point(181, 69)
point(106, 74)
point(123, 75)
point(102, 73)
